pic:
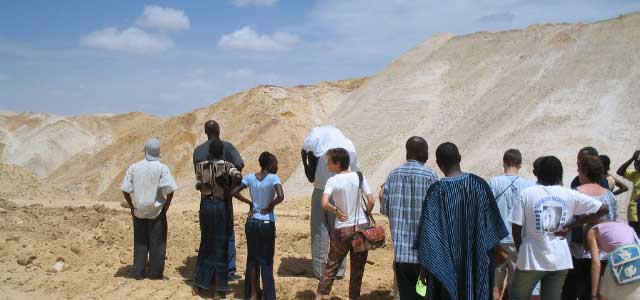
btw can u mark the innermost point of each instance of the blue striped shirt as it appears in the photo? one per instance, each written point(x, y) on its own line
point(459, 227)
point(403, 193)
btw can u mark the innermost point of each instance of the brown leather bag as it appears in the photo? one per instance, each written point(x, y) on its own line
point(370, 237)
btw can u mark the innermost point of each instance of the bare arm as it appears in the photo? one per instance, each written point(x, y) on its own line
point(370, 202)
point(236, 194)
point(592, 245)
point(310, 163)
point(626, 164)
point(168, 202)
point(279, 198)
point(330, 207)
point(604, 209)
point(621, 186)
point(516, 231)
point(127, 197)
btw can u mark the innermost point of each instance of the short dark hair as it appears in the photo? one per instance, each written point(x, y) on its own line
point(417, 148)
point(216, 148)
point(447, 154)
point(512, 158)
point(339, 156)
point(606, 162)
point(588, 150)
point(536, 165)
point(591, 167)
point(212, 128)
point(549, 171)
point(266, 159)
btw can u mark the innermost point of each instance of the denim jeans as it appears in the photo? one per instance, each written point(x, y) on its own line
point(212, 256)
point(261, 240)
point(551, 283)
point(231, 251)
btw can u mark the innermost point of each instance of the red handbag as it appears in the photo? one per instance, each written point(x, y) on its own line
point(370, 237)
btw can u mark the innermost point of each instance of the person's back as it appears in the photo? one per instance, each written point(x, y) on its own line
point(149, 180)
point(459, 227)
point(506, 188)
point(344, 189)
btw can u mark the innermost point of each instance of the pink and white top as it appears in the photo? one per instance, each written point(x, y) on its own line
point(614, 235)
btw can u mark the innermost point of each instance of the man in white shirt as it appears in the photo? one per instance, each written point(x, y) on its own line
point(542, 213)
point(152, 186)
point(314, 160)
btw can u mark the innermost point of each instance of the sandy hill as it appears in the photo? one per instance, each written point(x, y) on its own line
point(546, 89)
point(87, 155)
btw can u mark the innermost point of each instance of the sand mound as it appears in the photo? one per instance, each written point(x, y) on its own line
point(547, 89)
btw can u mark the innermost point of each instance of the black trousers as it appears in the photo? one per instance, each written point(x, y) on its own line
point(407, 276)
point(577, 285)
point(150, 242)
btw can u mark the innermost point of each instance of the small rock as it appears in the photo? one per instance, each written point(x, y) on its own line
point(2, 210)
point(123, 260)
point(75, 248)
point(26, 259)
point(14, 238)
point(370, 262)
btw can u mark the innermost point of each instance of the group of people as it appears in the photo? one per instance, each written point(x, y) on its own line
point(461, 236)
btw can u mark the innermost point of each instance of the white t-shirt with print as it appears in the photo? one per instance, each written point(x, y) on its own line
point(343, 188)
point(541, 211)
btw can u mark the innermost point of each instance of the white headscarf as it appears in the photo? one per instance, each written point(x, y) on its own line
point(326, 137)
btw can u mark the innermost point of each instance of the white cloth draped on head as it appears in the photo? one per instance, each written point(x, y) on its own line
point(326, 137)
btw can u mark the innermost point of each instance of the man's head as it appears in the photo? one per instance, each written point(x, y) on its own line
point(536, 165)
point(512, 158)
point(447, 156)
point(548, 170)
point(152, 149)
point(591, 169)
point(417, 149)
point(212, 129)
point(215, 149)
point(337, 160)
point(268, 162)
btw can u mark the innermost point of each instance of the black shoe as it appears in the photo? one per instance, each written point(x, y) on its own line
point(234, 277)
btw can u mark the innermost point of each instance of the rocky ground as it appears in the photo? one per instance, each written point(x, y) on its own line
point(79, 252)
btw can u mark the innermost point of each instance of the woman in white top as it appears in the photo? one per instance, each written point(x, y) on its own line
point(543, 254)
point(341, 196)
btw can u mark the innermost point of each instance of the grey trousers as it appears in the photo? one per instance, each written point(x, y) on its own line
point(150, 244)
point(322, 224)
point(551, 283)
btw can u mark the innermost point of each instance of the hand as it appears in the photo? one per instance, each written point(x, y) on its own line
point(562, 233)
point(268, 209)
point(381, 193)
point(304, 154)
point(423, 276)
point(250, 214)
point(636, 154)
point(341, 216)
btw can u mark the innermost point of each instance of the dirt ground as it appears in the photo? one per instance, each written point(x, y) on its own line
point(92, 248)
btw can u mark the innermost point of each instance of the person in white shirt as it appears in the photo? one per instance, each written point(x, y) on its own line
point(350, 212)
point(314, 160)
point(152, 186)
point(540, 221)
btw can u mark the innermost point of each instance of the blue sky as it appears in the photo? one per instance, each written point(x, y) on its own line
point(170, 57)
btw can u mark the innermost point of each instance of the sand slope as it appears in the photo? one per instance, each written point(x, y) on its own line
point(547, 89)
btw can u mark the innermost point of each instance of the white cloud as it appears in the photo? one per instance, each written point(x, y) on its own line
point(163, 18)
point(247, 39)
point(254, 2)
point(132, 40)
